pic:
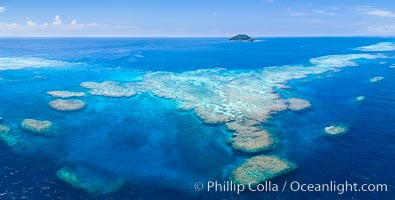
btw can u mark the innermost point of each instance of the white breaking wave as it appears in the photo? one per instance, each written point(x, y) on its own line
point(13, 63)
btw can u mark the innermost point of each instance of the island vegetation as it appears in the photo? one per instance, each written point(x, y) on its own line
point(242, 37)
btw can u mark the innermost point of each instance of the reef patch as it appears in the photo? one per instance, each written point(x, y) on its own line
point(335, 130)
point(376, 79)
point(240, 99)
point(14, 63)
point(381, 46)
point(5, 135)
point(108, 89)
point(296, 104)
point(36, 126)
point(91, 183)
point(342, 60)
point(249, 137)
point(67, 105)
point(65, 94)
point(360, 98)
point(259, 169)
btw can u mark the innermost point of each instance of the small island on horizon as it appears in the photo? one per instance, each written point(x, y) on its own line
point(242, 37)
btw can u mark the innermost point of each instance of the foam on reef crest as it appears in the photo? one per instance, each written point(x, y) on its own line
point(13, 63)
point(259, 169)
point(381, 46)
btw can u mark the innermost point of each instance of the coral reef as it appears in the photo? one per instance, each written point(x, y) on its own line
point(108, 89)
point(335, 130)
point(67, 105)
point(381, 46)
point(342, 60)
point(4, 129)
point(252, 141)
point(65, 94)
point(296, 104)
point(6, 136)
point(236, 98)
point(221, 96)
point(249, 137)
point(12, 63)
point(360, 98)
point(376, 79)
point(36, 126)
point(260, 169)
point(92, 185)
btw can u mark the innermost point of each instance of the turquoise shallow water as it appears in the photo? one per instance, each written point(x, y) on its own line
point(162, 151)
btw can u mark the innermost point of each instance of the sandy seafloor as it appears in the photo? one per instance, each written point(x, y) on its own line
point(162, 151)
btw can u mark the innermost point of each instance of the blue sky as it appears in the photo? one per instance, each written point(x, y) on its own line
point(191, 18)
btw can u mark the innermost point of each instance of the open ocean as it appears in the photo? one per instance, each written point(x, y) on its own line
point(161, 151)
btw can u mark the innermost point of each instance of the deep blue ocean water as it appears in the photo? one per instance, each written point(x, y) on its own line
point(162, 151)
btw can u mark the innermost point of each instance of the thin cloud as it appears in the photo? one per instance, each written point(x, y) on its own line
point(297, 14)
point(382, 29)
point(8, 26)
point(316, 21)
point(74, 24)
point(312, 12)
point(377, 12)
point(323, 12)
point(2, 9)
point(57, 24)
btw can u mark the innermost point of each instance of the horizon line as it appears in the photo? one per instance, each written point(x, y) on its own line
point(164, 37)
